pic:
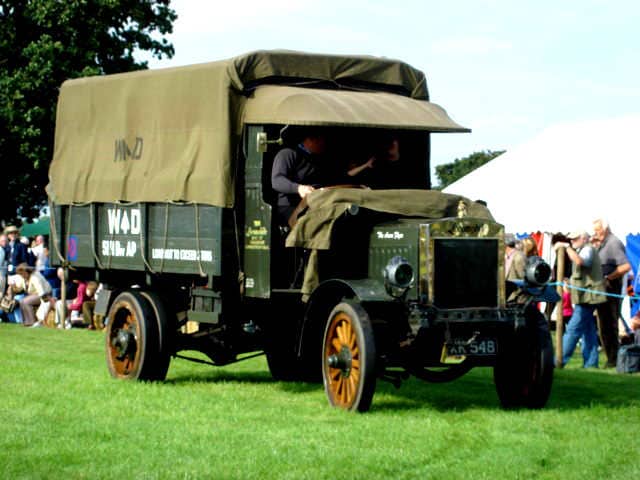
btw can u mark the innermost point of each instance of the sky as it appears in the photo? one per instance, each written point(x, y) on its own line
point(507, 70)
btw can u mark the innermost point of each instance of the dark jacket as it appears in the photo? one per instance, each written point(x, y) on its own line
point(16, 254)
point(295, 166)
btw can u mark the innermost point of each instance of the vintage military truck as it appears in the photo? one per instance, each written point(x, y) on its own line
point(160, 190)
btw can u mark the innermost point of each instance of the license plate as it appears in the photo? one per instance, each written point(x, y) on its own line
point(478, 347)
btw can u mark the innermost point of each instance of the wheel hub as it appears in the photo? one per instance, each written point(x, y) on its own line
point(124, 342)
point(341, 361)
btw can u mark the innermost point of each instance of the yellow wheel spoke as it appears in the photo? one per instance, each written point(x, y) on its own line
point(352, 340)
point(348, 332)
point(334, 373)
point(353, 384)
point(348, 393)
point(339, 388)
point(335, 343)
point(355, 352)
point(341, 334)
point(355, 363)
point(343, 394)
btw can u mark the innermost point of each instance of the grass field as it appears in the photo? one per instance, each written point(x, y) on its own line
point(62, 416)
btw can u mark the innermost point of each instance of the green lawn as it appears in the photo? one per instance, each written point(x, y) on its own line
point(62, 416)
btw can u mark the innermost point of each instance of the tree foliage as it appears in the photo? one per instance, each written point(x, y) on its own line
point(450, 172)
point(43, 43)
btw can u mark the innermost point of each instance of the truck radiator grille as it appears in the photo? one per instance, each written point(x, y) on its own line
point(465, 273)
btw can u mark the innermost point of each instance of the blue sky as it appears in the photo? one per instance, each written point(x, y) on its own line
point(505, 69)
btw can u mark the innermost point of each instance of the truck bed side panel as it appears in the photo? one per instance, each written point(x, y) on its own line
point(157, 237)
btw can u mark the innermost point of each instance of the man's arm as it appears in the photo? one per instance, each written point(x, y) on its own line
point(620, 271)
point(622, 262)
point(579, 258)
point(283, 165)
point(358, 169)
point(584, 258)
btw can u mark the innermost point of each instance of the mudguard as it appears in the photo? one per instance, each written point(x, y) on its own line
point(326, 296)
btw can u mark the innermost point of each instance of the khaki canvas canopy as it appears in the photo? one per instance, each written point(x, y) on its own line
point(336, 71)
point(312, 106)
point(313, 229)
point(173, 134)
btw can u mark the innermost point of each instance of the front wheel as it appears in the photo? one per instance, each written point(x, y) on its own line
point(349, 357)
point(524, 372)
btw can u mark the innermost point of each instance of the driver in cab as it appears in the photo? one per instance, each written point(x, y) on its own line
point(299, 171)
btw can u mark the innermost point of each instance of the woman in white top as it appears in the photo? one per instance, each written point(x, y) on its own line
point(37, 290)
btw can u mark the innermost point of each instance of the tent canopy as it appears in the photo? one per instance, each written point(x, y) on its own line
point(564, 178)
point(39, 227)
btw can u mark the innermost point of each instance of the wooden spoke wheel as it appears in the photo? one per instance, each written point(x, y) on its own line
point(133, 343)
point(523, 374)
point(349, 356)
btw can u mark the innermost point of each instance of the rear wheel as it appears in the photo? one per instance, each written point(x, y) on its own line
point(524, 372)
point(166, 334)
point(133, 339)
point(349, 356)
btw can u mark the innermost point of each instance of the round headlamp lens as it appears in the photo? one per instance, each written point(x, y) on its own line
point(398, 273)
point(404, 275)
point(538, 272)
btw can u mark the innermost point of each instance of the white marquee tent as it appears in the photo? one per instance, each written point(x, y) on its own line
point(564, 178)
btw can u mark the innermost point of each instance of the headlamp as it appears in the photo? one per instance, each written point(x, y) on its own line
point(537, 272)
point(398, 273)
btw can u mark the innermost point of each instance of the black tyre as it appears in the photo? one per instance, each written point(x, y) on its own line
point(281, 354)
point(349, 358)
point(280, 341)
point(166, 334)
point(524, 371)
point(133, 339)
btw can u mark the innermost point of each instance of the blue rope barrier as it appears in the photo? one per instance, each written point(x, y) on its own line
point(573, 287)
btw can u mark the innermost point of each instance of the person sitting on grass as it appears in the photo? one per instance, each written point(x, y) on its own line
point(37, 291)
point(89, 305)
point(75, 308)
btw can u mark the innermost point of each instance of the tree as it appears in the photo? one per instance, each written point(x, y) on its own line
point(43, 43)
point(450, 172)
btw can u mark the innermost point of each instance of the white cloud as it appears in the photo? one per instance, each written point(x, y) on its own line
point(217, 17)
point(609, 90)
point(469, 45)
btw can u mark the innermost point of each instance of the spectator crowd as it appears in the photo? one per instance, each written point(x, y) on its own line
point(593, 287)
point(32, 289)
